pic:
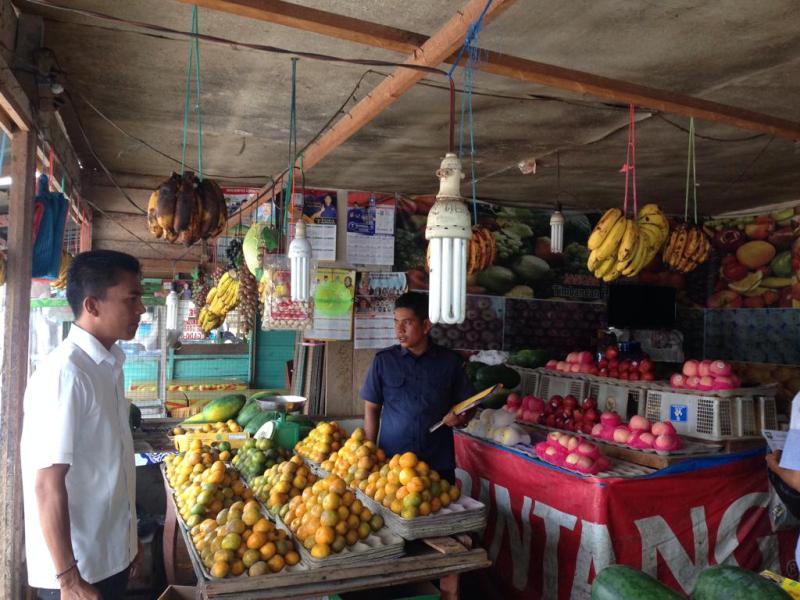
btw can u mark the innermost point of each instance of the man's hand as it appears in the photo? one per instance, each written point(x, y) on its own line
point(137, 566)
point(773, 460)
point(453, 420)
point(73, 587)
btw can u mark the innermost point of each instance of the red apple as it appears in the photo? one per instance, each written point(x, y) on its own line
point(704, 368)
point(573, 357)
point(577, 415)
point(552, 364)
point(587, 427)
point(611, 353)
point(593, 370)
point(602, 363)
point(589, 403)
point(602, 373)
point(634, 376)
point(550, 420)
point(690, 368)
point(706, 383)
point(536, 404)
point(590, 416)
point(678, 380)
point(570, 401)
point(575, 368)
point(585, 358)
point(720, 368)
point(648, 376)
point(646, 366)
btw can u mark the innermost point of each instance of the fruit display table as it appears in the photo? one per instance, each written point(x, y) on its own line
point(440, 558)
point(550, 531)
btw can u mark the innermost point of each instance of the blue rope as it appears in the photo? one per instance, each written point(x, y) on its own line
point(471, 47)
point(287, 190)
point(3, 143)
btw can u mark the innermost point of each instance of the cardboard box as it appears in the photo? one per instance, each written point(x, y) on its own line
point(179, 592)
point(236, 440)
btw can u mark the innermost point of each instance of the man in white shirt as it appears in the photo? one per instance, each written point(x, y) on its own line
point(78, 470)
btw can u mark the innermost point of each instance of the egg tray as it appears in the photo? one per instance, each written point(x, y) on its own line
point(383, 544)
point(689, 448)
point(618, 468)
point(462, 516)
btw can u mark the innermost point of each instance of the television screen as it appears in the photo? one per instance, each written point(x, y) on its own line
point(641, 307)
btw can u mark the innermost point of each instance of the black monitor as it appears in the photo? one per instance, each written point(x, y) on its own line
point(632, 306)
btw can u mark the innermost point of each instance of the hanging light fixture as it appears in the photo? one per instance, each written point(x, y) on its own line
point(448, 232)
point(557, 219)
point(300, 264)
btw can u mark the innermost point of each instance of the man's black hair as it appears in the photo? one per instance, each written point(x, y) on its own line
point(92, 273)
point(416, 302)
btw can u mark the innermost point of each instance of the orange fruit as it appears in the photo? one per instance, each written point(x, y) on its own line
point(329, 518)
point(364, 530)
point(291, 558)
point(341, 527)
point(223, 556)
point(324, 535)
point(237, 567)
point(409, 459)
point(415, 485)
point(256, 540)
point(250, 557)
point(351, 537)
point(267, 551)
point(220, 569)
point(406, 475)
point(275, 563)
point(455, 492)
point(436, 505)
point(332, 501)
point(424, 509)
point(320, 550)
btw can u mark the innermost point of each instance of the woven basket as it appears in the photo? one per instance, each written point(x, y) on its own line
point(184, 412)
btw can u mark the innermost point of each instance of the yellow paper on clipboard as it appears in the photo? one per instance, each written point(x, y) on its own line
point(470, 403)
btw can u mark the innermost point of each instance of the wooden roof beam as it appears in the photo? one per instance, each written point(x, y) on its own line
point(408, 42)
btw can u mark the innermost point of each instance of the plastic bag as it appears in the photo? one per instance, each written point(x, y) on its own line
point(280, 311)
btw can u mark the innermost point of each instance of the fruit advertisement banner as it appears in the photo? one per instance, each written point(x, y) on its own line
point(760, 261)
point(549, 532)
point(334, 290)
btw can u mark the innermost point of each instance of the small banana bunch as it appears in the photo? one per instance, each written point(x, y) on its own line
point(3, 268)
point(185, 209)
point(220, 300)
point(61, 282)
point(621, 246)
point(687, 248)
point(248, 298)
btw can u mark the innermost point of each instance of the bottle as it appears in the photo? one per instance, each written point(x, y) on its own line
point(172, 308)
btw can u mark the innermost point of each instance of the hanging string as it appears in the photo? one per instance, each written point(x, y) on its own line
point(629, 168)
point(3, 143)
point(193, 65)
point(691, 171)
point(288, 189)
point(471, 48)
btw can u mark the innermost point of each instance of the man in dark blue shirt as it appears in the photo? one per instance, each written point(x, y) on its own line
point(412, 386)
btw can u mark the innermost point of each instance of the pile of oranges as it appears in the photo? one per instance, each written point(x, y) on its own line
point(327, 517)
point(241, 540)
point(355, 460)
point(409, 487)
point(324, 439)
point(282, 482)
point(203, 484)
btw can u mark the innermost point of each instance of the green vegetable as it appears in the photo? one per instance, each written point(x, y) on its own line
point(520, 291)
point(618, 582)
point(530, 359)
point(259, 419)
point(782, 264)
point(494, 374)
point(249, 410)
point(472, 369)
point(221, 409)
point(530, 268)
point(732, 583)
point(496, 400)
point(496, 279)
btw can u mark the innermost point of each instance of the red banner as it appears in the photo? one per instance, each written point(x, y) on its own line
point(549, 532)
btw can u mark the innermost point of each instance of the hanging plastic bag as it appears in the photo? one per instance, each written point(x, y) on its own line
point(50, 211)
point(280, 311)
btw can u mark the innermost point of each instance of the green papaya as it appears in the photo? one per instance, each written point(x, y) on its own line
point(249, 410)
point(258, 420)
point(221, 409)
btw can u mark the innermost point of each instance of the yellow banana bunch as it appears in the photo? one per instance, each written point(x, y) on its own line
point(220, 300)
point(61, 282)
point(687, 248)
point(621, 246)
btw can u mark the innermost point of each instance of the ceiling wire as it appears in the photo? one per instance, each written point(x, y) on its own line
point(229, 42)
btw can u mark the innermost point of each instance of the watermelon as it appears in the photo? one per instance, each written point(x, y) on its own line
point(494, 374)
point(618, 582)
point(732, 583)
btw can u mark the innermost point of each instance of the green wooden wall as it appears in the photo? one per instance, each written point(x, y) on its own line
point(273, 350)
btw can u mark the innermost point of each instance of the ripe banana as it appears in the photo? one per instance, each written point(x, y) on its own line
point(152, 219)
point(610, 244)
point(604, 227)
point(628, 243)
point(605, 267)
point(687, 248)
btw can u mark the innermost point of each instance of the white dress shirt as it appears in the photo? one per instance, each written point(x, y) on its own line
point(76, 414)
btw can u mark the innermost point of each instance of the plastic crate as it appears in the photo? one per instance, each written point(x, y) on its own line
point(618, 396)
point(715, 416)
point(528, 380)
point(557, 384)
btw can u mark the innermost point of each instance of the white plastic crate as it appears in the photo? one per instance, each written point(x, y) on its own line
point(528, 380)
point(716, 416)
point(618, 396)
point(559, 384)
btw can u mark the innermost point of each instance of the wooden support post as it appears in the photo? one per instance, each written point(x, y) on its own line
point(15, 360)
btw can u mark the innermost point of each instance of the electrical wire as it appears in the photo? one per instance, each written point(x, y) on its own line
point(708, 137)
point(749, 166)
point(229, 42)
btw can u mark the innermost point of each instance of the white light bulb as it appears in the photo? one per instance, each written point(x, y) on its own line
point(300, 264)
point(557, 232)
point(448, 232)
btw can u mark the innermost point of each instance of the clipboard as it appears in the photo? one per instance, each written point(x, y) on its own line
point(469, 403)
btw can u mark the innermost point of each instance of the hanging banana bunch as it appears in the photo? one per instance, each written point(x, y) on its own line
point(186, 209)
point(221, 299)
point(688, 245)
point(623, 246)
point(61, 282)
